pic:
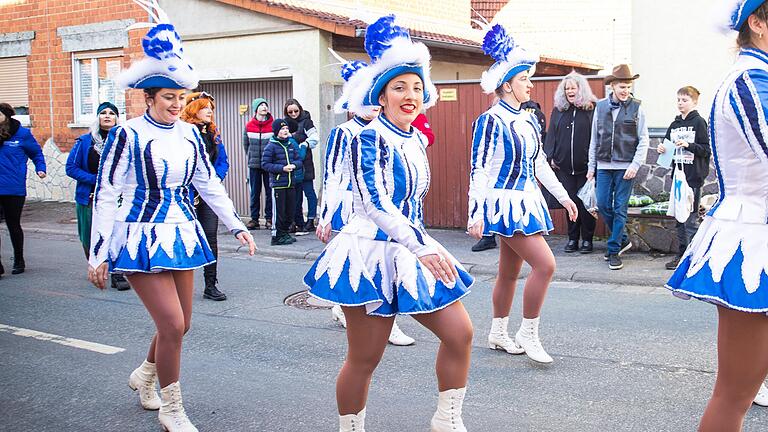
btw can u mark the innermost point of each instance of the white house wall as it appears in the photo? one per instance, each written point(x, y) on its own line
point(674, 45)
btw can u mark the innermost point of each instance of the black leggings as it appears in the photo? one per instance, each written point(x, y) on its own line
point(210, 223)
point(12, 206)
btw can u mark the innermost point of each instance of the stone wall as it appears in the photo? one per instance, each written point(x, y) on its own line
point(56, 186)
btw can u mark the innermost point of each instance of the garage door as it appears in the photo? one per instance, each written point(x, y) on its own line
point(230, 96)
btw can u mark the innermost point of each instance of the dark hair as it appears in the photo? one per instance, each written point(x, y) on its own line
point(745, 33)
point(691, 92)
point(290, 102)
point(5, 127)
point(152, 91)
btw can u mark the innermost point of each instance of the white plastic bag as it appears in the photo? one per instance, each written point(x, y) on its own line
point(588, 196)
point(681, 195)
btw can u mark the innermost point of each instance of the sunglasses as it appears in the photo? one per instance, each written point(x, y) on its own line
point(203, 95)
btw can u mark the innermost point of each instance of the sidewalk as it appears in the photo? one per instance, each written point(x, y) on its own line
point(641, 269)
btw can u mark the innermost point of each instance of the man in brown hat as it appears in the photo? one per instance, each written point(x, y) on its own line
point(617, 150)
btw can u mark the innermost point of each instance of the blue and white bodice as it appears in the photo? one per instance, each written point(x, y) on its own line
point(142, 196)
point(390, 177)
point(336, 204)
point(507, 156)
point(727, 261)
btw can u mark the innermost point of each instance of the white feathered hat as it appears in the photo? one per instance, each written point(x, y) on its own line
point(510, 58)
point(392, 53)
point(733, 14)
point(349, 71)
point(165, 65)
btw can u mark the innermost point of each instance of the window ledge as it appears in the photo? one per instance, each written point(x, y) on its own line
point(79, 125)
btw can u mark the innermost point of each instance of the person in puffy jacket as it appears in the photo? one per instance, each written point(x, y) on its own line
point(281, 159)
point(83, 166)
point(306, 135)
point(17, 146)
point(256, 136)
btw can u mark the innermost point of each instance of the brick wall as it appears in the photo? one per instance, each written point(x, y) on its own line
point(53, 82)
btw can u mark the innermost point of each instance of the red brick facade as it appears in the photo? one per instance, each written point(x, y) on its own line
point(44, 17)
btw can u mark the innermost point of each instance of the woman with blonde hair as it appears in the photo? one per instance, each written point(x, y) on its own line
point(199, 111)
point(567, 150)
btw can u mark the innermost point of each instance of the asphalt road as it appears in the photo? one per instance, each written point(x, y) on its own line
point(625, 359)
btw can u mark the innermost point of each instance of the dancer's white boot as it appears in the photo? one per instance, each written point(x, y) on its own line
point(144, 379)
point(337, 314)
point(528, 338)
point(352, 422)
point(762, 396)
point(447, 418)
point(397, 337)
point(172, 416)
point(499, 338)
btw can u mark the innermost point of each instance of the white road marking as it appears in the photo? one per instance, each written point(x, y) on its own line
point(61, 340)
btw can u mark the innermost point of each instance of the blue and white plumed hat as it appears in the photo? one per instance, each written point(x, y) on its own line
point(510, 59)
point(165, 65)
point(349, 71)
point(392, 53)
point(732, 14)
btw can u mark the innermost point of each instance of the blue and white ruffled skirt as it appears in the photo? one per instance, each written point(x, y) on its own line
point(139, 247)
point(508, 212)
point(383, 276)
point(725, 264)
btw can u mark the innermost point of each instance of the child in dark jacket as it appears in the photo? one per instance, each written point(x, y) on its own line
point(688, 132)
point(281, 159)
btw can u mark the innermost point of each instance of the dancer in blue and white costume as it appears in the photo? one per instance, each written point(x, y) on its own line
point(383, 262)
point(504, 196)
point(337, 200)
point(727, 260)
point(144, 224)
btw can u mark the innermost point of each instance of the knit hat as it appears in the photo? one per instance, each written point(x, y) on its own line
point(256, 102)
point(164, 65)
point(109, 105)
point(277, 125)
point(7, 110)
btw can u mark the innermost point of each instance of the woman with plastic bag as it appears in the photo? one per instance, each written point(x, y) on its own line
point(567, 149)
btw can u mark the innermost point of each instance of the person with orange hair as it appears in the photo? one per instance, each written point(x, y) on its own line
point(199, 111)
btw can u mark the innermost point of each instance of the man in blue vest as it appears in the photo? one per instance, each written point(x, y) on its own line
point(617, 150)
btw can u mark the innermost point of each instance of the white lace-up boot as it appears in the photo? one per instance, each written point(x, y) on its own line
point(397, 337)
point(337, 314)
point(499, 338)
point(447, 418)
point(528, 338)
point(352, 422)
point(762, 396)
point(172, 416)
point(144, 379)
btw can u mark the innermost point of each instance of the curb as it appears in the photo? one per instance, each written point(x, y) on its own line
point(480, 270)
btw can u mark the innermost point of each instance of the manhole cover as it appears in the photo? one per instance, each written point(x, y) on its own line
point(303, 300)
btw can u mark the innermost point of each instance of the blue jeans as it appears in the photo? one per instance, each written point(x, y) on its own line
point(259, 178)
point(612, 200)
point(305, 189)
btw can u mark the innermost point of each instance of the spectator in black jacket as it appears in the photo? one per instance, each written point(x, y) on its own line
point(689, 133)
point(567, 148)
point(306, 135)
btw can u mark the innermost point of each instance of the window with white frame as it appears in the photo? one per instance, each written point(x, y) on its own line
point(14, 88)
point(93, 79)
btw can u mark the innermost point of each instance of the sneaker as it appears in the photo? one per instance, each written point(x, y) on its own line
point(119, 282)
point(572, 246)
point(484, 243)
point(301, 231)
point(290, 239)
point(672, 264)
point(614, 262)
point(625, 246)
point(309, 226)
point(18, 266)
point(292, 228)
point(275, 241)
point(606, 255)
point(762, 396)
point(268, 223)
point(586, 247)
point(252, 224)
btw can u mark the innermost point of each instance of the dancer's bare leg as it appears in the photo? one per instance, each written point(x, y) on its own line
point(742, 365)
point(536, 252)
point(367, 338)
point(510, 264)
point(454, 329)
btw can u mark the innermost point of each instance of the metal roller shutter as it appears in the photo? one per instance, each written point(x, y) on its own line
point(230, 95)
point(13, 81)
